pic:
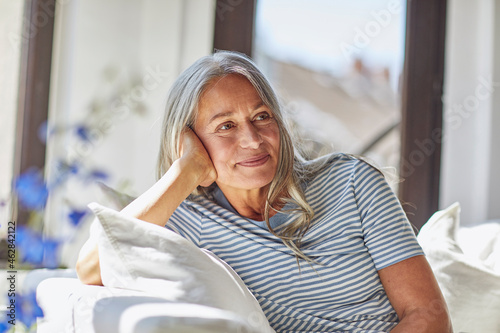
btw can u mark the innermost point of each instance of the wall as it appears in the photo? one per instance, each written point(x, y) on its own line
point(117, 58)
point(471, 158)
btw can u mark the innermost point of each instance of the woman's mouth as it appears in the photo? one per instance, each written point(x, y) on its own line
point(255, 161)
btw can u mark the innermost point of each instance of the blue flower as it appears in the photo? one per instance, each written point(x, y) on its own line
point(31, 189)
point(67, 168)
point(83, 132)
point(62, 173)
point(4, 327)
point(76, 216)
point(51, 257)
point(27, 309)
point(37, 250)
point(98, 175)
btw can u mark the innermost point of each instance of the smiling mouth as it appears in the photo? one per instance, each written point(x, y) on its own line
point(255, 161)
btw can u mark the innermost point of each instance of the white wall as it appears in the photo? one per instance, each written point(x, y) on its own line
point(148, 41)
point(470, 158)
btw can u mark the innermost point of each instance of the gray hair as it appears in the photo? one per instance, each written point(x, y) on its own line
point(181, 111)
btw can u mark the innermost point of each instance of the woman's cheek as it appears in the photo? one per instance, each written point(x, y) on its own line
point(220, 151)
point(272, 135)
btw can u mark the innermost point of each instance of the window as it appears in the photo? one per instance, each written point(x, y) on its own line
point(337, 65)
point(421, 92)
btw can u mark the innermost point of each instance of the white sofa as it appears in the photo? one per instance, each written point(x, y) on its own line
point(466, 262)
point(71, 307)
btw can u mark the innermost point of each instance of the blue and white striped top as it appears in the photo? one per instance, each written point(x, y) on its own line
point(359, 228)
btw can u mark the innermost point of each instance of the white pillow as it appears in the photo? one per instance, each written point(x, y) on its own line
point(482, 242)
point(471, 288)
point(141, 256)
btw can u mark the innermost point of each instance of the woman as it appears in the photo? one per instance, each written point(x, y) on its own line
point(323, 245)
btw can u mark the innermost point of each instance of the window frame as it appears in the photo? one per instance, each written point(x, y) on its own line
point(33, 92)
point(422, 109)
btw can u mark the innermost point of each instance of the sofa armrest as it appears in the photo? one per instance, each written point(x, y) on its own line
point(69, 305)
point(72, 307)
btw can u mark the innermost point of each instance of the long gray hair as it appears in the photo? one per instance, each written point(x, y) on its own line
point(181, 111)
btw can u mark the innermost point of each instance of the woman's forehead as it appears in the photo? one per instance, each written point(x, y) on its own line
point(228, 83)
point(229, 90)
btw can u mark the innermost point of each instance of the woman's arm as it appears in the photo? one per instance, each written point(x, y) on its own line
point(415, 295)
point(157, 204)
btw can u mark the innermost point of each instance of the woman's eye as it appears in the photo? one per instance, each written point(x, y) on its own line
point(262, 116)
point(225, 127)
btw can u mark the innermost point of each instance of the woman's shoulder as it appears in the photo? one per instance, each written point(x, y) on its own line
point(332, 160)
point(196, 201)
point(338, 165)
point(200, 204)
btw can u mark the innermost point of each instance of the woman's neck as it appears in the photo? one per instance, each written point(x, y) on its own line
point(249, 203)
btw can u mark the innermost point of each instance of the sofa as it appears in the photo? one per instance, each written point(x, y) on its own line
point(166, 294)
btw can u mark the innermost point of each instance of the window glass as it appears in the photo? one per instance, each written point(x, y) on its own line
point(337, 66)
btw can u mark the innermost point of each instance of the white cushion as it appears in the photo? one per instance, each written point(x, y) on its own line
point(482, 242)
point(141, 256)
point(469, 283)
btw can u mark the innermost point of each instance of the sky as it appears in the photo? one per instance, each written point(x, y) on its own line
point(328, 35)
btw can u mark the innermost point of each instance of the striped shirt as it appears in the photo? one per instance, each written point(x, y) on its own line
point(358, 228)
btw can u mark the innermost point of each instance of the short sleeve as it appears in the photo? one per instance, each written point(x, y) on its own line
point(186, 221)
point(387, 232)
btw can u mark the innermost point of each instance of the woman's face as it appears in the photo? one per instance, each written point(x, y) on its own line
point(239, 133)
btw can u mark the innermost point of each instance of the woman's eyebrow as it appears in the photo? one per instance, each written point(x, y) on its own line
point(259, 105)
point(229, 113)
point(219, 115)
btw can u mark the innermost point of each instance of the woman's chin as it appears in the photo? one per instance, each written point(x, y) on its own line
point(246, 183)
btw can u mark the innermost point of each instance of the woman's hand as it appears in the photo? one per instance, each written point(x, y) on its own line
point(157, 204)
point(192, 149)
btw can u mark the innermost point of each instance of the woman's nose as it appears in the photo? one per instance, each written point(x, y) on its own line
point(250, 136)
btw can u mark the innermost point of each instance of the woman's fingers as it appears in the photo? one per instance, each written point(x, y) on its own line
point(192, 148)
